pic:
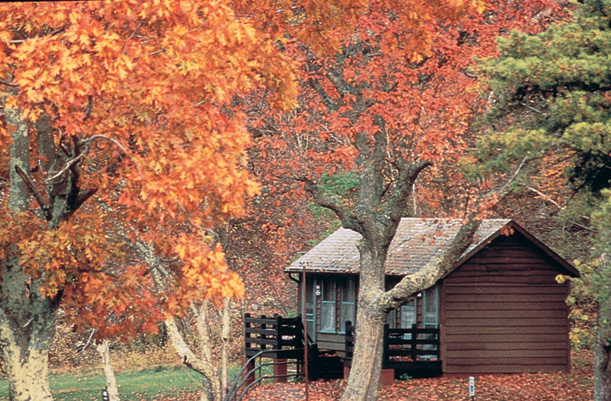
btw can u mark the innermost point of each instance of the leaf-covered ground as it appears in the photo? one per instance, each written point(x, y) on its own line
point(574, 386)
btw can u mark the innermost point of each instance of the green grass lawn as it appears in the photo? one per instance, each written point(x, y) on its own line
point(153, 384)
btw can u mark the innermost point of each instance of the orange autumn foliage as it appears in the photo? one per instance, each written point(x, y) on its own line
point(138, 95)
point(140, 98)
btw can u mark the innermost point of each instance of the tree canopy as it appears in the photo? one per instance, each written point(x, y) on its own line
point(551, 94)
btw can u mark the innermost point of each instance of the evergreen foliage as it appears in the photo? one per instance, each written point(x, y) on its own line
point(551, 93)
point(551, 96)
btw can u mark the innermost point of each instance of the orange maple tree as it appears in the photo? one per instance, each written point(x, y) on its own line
point(121, 122)
point(392, 124)
point(118, 126)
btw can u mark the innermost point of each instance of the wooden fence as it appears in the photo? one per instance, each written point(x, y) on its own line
point(273, 333)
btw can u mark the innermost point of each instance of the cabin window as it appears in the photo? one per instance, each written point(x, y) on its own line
point(403, 317)
point(430, 314)
point(430, 308)
point(309, 312)
point(327, 323)
point(409, 314)
point(348, 307)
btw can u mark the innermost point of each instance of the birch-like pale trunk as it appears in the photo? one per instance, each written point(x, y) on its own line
point(225, 336)
point(103, 349)
point(211, 387)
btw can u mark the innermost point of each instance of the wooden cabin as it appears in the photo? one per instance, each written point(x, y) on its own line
point(499, 309)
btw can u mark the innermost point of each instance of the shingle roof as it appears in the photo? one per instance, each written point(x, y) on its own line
point(416, 241)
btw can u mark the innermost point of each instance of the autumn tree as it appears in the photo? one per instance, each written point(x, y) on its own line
point(382, 118)
point(551, 93)
point(119, 113)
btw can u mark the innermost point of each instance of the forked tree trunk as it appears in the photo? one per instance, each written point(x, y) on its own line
point(211, 387)
point(103, 349)
point(211, 390)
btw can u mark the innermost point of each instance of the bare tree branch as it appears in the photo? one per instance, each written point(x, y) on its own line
point(334, 203)
point(44, 205)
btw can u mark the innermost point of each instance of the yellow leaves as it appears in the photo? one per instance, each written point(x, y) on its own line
point(204, 269)
point(74, 248)
point(561, 278)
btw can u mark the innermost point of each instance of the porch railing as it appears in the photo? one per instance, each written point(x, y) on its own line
point(401, 345)
point(410, 345)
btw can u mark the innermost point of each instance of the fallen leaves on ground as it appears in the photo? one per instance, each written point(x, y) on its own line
point(574, 386)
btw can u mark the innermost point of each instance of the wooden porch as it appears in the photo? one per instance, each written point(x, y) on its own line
point(410, 351)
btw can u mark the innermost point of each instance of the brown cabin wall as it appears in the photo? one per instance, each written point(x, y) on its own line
point(503, 312)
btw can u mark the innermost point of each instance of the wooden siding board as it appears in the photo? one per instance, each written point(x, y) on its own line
point(509, 279)
point(508, 338)
point(548, 345)
point(508, 330)
point(509, 314)
point(495, 289)
point(503, 312)
point(501, 299)
point(491, 362)
point(502, 322)
point(493, 306)
point(513, 354)
point(508, 368)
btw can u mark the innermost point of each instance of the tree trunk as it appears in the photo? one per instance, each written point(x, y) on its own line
point(211, 388)
point(111, 381)
point(27, 327)
point(602, 370)
point(225, 335)
point(27, 319)
point(210, 384)
point(364, 377)
point(602, 348)
point(27, 369)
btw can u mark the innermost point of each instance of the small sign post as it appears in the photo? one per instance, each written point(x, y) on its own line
point(472, 387)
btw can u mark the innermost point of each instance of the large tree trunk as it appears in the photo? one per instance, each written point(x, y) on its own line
point(364, 377)
point(27, 319)
point(27, 327)
point(103, 349)
point(27, 367)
